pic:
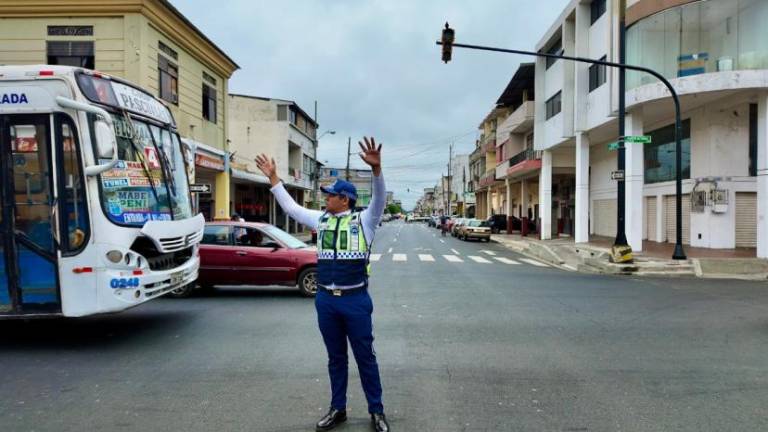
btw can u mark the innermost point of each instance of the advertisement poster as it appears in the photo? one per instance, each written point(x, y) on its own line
point(129, 197)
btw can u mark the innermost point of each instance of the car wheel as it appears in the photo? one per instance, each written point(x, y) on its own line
point(182, 292)
point(308, 282)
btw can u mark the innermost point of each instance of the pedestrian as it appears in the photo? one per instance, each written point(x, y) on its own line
point(344, 307)
point(239, 231)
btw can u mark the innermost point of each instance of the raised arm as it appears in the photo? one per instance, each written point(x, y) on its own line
point(371, 155)
point(304, 216)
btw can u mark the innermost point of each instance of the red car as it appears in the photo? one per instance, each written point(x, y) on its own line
point(246, 253)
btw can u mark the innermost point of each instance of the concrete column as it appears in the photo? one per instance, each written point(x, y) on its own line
point(634, 175)
point(524, 204)
point(762, 176)
point(509, 208)
point(221, 213)
point(488, 203)
point(660, 225)
point(545, 195)
point(582, 188)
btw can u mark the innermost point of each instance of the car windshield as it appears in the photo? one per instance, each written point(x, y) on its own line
point(285, 238)
point(475, 223)
point(149, 181)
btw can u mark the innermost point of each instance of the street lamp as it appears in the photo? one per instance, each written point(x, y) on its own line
point(620, 246)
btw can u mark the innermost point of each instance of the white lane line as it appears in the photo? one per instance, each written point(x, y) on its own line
point(479, 259)
point(395, 240)
point(425, 257)
point(399, 257)
point(455, 251)
point(532, 262)
point(375, 257)
point(390, 250)
point(491, 253)
point(506, 261)
point(453, 258)
point(442, 241)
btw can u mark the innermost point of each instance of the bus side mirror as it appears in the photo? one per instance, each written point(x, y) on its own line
point(106, 148)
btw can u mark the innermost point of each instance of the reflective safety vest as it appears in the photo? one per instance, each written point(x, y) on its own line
point(342, 252)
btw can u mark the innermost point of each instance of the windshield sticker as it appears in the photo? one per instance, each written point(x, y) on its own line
point(150, 156)
point(140, 102)
point(115, 183)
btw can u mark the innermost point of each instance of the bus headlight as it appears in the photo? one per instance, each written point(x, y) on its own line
point(115, 256)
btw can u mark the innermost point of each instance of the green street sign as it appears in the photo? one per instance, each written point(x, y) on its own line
point(613, 146)
point(638, 139)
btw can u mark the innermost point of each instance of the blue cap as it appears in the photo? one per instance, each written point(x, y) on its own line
point(341, 187)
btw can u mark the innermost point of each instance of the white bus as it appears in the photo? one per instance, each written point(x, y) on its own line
point(96, 213)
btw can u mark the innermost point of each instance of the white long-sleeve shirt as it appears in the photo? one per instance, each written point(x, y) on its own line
point(369, 217)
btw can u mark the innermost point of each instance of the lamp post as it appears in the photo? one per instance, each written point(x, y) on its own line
point(317, 168)
point(447, 43)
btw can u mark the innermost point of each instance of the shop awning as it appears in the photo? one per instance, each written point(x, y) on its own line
point(250, 177)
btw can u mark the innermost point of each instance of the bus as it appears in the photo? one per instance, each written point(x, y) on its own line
point(96, 210)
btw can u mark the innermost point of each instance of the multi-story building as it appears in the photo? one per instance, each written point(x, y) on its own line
point(282, 130)
point(148, 42)
point(488, 188)
point(713, 53)
point(459, 177)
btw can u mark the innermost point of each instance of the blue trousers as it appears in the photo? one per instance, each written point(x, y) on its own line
point(349, 318)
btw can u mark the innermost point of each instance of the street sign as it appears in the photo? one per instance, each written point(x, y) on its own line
point(638, 139)
point(203, 188)
point(613, 146)
point(617, 175)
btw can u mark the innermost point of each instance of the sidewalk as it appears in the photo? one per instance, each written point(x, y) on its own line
point(654, 260)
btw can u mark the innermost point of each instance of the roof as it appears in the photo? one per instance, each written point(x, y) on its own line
point(522, 81)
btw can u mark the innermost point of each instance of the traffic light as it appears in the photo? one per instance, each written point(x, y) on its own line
point(448, 37)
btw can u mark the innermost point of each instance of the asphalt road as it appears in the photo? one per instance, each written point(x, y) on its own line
point(490, 344)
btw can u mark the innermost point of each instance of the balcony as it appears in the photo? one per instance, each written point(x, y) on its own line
point(487, 180)
point(521, 120)
point(489, 143)
point(524, 162)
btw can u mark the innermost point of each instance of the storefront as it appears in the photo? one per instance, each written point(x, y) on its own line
point(252, 197)
point(209, 165)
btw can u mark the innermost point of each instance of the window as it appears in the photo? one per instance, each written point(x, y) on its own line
point(292, 116)
point(529, 142)
point(79, 54)
point(596, 75)
point(660, 155)
point(753, 140)
point(308, 166)
point(216, 235)
point(169, 79)
point(282, 112)
point(253, 238)
point(597, 9)
point(73, 205)
point(209, 103)
point(556, 49)
point(554, 105)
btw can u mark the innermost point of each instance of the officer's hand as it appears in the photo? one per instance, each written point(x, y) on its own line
point(370, 153)
point(268, 166)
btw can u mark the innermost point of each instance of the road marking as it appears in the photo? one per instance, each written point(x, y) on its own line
point(395, 240)
point(455, 251)
point(390, 250)
point(479, 259)
point(442, 241)
point(399, 257)
point(453, 258)
point(425, 257)
point(491, 253)
point(375, 257)
point(532, 262)
point(506, 261)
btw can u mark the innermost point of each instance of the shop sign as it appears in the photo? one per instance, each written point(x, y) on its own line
point(209, 162)
point(202, 188)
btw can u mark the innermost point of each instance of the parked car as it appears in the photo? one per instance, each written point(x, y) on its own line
point(497, 223)
point(433, 221)
point(456, 225)
point(249, 253)
point(517, 224)
point(474, 229)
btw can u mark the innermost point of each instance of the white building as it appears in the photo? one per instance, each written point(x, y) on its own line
point(460, 175)
point(280, 129)
point(715, 55)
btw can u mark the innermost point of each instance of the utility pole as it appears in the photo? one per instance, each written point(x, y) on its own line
point(349, 150)
point(450, 156)
point(621, 251)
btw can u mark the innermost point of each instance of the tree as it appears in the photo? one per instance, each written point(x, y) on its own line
point(394, 209)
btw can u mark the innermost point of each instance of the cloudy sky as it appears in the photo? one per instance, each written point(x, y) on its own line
point(374, 69)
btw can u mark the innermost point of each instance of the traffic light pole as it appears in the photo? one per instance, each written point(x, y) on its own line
point(679, 254)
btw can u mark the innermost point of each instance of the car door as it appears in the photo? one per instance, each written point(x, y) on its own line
point(216, 255)
point(263, 259)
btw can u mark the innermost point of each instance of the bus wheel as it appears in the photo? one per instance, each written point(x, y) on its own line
point(308, 282)
point(182, 292)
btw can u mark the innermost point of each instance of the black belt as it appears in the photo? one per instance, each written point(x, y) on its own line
point(342, 292)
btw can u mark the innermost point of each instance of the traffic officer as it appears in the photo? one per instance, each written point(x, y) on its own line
point(343, 305)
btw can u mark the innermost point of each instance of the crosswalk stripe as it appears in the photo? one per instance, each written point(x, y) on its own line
point(453, 258)
point(479, 259)
point(455, 251)
point(375, 257)
point(491, 253)
point(506, 260)
point(425, 257)
point(533, 262)
point(399, 257)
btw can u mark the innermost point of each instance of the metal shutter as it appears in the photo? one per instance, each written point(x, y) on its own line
point(746, 219)
point(650, 218)
point(670, 209)
point(605, 218)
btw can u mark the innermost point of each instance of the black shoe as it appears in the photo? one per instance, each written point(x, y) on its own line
point(331, 420)
point(379, 422)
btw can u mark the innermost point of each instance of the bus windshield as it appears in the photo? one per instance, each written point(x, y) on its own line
point(149, 181)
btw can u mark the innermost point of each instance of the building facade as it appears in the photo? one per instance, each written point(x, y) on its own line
point(713, 53)
point(361, 178)
point(147, 42)
point(282, 130)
